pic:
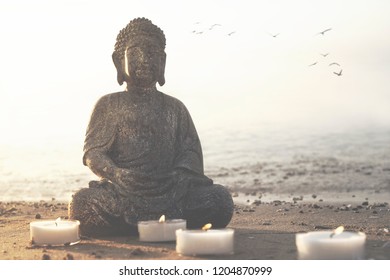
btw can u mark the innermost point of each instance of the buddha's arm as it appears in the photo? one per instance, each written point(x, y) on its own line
point(102, 165)
point(189, 151)
point(99, 138)
point(105, 168)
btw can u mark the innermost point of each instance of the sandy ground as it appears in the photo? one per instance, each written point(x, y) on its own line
point(263, 230)
point(274, 201)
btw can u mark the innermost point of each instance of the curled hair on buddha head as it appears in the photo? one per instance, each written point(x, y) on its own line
point(137, 27)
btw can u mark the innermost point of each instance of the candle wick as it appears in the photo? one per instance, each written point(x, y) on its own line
point(332, 234)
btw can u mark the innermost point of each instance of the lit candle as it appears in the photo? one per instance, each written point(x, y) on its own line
point(205, 241)
point(161, 230)
point(330, 245)
point(54, 232)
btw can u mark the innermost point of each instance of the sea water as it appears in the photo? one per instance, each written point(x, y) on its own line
point(43, 172)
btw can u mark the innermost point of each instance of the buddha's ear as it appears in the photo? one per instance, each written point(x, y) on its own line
point(161, 71)
point(119, 68)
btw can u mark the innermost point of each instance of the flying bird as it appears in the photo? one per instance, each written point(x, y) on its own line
point(274, 35)
point(324, 31)
point(231, 33)
point(338, 73)
point(334, 63)
point(324, 54)
point(313, 63)
point(214, 25)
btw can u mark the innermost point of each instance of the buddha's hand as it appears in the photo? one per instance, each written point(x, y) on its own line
point(128, 179)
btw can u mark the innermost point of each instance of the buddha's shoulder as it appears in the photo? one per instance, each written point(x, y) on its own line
point(114, 95)
point(111, 98)
point(173, 101)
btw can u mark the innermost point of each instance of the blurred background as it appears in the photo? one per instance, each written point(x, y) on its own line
point(262, 80)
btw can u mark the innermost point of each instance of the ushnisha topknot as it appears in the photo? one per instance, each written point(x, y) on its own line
point(138, 26)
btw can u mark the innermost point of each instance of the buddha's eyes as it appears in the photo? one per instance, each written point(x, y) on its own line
point(138, 51)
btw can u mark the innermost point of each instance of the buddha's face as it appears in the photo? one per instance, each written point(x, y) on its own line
point(143, 61)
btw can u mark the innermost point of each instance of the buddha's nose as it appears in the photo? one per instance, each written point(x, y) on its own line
point(144, 57)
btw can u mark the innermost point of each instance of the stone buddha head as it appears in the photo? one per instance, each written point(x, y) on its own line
point(139, 55)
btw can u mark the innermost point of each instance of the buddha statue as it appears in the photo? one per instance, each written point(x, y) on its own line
point(144, 147)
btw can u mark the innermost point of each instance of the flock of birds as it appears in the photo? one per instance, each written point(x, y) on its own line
point(340, 72)
point(199, 32)
point(275, 35)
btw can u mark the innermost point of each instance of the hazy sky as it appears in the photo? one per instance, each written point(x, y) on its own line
point(55, 62)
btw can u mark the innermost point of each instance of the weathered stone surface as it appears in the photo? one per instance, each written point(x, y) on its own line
point(145, 148)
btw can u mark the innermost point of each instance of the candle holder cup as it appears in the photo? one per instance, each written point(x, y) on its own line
point(155, 231)
point(54, 233)
point(324, 245)
point(205, 242)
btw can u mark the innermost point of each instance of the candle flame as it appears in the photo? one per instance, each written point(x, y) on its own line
point(162, 219)
point(337, 231)
point(57, 220)
point(207, 226)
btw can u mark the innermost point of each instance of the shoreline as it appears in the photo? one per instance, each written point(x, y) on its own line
point(301, 176)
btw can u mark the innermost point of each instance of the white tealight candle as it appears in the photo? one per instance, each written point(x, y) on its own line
point(160, 231)
point(205, 242)
point(330, 245)
point(54, 232)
